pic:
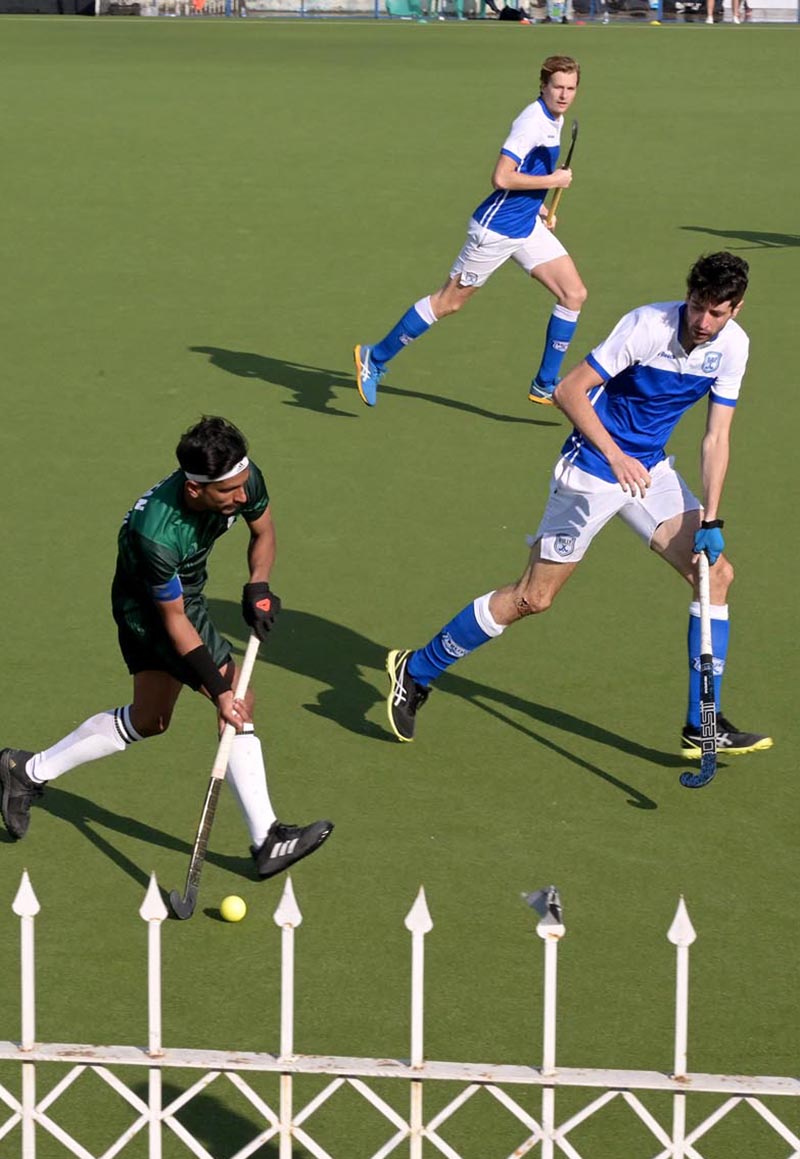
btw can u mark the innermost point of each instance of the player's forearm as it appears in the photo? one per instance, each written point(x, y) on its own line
point(261, 554)
point(179, 628)
point(572, 400)
point(714, 458)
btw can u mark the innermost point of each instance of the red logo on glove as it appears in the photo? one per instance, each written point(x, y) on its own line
point(264, 605)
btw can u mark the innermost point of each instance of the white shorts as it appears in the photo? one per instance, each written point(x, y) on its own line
point(485, 251)
point(580, 505)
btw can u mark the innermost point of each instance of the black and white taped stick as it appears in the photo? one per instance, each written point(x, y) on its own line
point(708, 707)
point(183, 906)
point(551, 213)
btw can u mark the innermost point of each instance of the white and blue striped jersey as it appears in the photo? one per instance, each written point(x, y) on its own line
point(649, 382)
point(533, 142)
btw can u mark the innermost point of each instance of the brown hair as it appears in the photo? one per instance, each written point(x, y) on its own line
point(558, 64)
point(718, 278)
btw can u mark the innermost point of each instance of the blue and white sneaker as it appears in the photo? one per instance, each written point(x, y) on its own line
point(368, 375)
point(541, 394)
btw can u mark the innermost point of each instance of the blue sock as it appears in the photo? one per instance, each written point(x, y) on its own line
point(560, 329)
point(720, 631)
point(473, 626)
point(412, 325)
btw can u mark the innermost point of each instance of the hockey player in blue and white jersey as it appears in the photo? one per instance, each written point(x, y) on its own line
point(625, 400)
point(509, 223)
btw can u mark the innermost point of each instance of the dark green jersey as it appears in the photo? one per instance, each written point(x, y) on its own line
point(162, 540)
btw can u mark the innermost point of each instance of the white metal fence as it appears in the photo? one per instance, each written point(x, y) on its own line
point(287, 1122)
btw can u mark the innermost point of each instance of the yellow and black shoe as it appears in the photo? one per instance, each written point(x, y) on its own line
point(405, 695)
point(730, 741)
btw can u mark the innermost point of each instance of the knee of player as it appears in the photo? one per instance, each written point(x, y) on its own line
point(152, 725)
point(447, 306)
point(576, 298)
point(720, 579)
point(529, 602)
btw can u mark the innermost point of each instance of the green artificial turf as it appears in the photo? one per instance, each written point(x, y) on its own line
point(203, 217)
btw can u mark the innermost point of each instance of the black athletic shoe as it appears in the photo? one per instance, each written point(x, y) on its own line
point(730, 742)
point(405, 697)
point(18, 791)
point(286, 844)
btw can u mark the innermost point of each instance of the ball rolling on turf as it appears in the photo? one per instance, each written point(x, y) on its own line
point(232, 909)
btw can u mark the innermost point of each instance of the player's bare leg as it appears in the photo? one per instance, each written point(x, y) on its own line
point(411, 673)
point(371, 361)
point(534, 591)
point(560, 276)
point(155, 695)
point(451, 297)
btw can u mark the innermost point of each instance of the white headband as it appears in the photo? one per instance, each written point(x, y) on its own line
point(235, 470)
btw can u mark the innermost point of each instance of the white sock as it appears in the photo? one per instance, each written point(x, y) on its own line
point(247, 777)
point(425, 310)
point(486, 620)
point(99, 736)
point(568, 315)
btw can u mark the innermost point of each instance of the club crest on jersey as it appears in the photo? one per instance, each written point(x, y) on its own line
point(711, 362)
point(564, 544)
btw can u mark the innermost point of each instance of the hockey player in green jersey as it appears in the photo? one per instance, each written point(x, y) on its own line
point(168, 640)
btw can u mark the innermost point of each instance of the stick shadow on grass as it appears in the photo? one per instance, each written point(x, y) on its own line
point(336, 656)
point(315, 387)
point(756, 238)
point(90, 818)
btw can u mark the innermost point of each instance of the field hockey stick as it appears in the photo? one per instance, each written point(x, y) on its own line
point(183, 906)
point(708, 707)
point(551, 213)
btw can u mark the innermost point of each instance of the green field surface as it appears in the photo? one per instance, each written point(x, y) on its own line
point(204, 217)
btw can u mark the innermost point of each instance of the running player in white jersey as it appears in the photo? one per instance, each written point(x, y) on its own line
point(509, 223)
point(168, 640)
point(624, 400)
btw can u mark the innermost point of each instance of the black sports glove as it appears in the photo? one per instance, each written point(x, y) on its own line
point(260, 606)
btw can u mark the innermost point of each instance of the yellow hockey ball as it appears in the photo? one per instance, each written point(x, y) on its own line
point(232, 909)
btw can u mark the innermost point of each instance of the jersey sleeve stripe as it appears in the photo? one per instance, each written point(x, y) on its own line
point(595, 365)
point(722, 401)
point(171, 590)
point(513, 156)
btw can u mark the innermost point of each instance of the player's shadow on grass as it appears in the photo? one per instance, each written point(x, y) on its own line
point(314, 387)
point(756, 238)
point(90, 819)
point(336, 656)
point(219, 1129)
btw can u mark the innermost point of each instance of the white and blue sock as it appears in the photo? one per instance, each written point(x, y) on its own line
point(412, 325)
point(474, 625)
point(720, 631)
point(560, 329)
point(99, 736)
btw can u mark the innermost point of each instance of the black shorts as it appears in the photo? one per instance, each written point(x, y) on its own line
point(146, 647)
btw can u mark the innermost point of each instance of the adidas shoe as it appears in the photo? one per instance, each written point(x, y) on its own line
point(730, 742)
point(405, 697)
point(285, 844)
point(368, 374)
point(18, 791)
point(540, 394)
